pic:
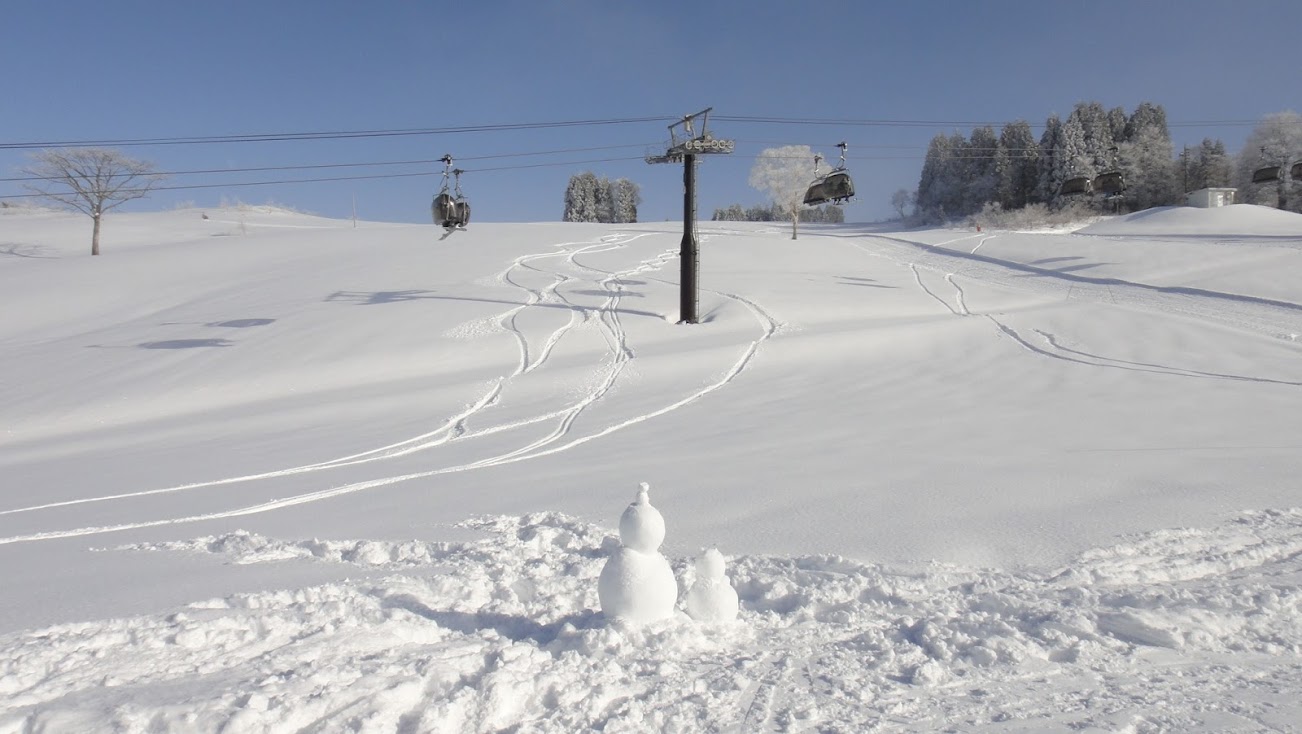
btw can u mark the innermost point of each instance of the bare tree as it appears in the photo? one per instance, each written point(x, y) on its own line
point(901, 200)
point(90, 180)
point(785, 174)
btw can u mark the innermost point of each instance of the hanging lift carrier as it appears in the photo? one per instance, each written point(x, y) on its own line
point(836, 186)
point(451, 211)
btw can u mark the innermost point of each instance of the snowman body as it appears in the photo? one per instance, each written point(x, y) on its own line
point(712, 598)
point(637, 583)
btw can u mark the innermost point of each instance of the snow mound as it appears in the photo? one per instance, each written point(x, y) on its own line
point(502, 633)
point(1236, 221)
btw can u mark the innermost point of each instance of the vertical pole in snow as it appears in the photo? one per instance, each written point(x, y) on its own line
point(688, 252)
point(354, 211)
point(686, 148)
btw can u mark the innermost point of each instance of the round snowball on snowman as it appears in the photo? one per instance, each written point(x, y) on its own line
point(712, 598)
point(637, 583)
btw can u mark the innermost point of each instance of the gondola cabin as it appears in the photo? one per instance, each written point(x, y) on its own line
point(1296, 172)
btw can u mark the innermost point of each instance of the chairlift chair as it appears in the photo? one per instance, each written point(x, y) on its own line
point(1076, 185)
point(1109, 183)
point(1267, 174)
point(836, 186)
point(450, 209)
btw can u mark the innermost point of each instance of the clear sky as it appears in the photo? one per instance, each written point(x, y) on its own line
point(77, 70)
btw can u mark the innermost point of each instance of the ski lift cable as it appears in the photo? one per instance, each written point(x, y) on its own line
point(514, 126)
point(325, 135)
point(238, 184)
point(317, 166)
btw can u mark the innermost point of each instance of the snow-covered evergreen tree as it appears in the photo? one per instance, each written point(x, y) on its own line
point(1149, 170)
point(1099, 141)
point(605, 205)
point(581, 198)
point(733, 213)
point(1019, 170)
point(1048, 180)
point(944, 180)
point(1146, 115)
point(1215, 164)
point(1147, 159)
point(1073, 157)
point(981, 177)
point(625, 197)
point(592, 199)
point(1117, 120)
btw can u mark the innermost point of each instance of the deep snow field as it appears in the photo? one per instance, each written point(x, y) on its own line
point(267, 472)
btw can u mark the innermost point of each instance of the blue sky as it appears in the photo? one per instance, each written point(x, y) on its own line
point(134, 69)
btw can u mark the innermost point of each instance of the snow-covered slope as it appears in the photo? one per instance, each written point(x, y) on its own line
point(1235, 221)
point(263, 471)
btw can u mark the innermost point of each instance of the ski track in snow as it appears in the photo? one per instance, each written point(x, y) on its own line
point(1269, 317)
point(455, 427)
point(1174, 630)
point(1263, 316)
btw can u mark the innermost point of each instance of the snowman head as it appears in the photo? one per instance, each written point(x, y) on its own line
point(642, 527)
point(710, 565)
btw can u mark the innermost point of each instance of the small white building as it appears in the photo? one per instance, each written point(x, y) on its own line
point(1208, 198)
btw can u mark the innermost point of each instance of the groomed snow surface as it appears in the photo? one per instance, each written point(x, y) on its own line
point(266, 472)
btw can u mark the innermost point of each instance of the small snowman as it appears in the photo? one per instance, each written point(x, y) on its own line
point(711, 598)
point(637, 583)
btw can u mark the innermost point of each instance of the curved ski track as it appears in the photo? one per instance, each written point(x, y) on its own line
point(454, 428)
point(1264, 316)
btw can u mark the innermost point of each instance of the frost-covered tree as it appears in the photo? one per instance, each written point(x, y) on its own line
point(1049, 178)
point(1117, 120)
point(581, 198)
point(826, 214)
point(940, 186)
point(90, 180)
point(1099, 140)
point(592, 199)
point(1204, 166)
point(625, 197)
point(1147, 159)
point(1148, 169)
point(981, 179)
point(1214, 163)
point(1018, 167)
point(604, 203)
point(1146, 116)
point(1073, 158)
point(1276, 141)
point(901, 200)
point(733, 213)
point(784, 174)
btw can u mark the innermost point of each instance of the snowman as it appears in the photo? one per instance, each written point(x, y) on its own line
point(711, 598)
point(637, 583)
